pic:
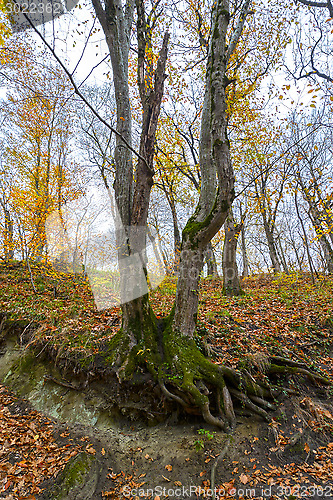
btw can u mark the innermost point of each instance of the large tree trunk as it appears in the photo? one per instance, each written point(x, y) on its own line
point(327, 252)
point(231, 283)
point(217, 178)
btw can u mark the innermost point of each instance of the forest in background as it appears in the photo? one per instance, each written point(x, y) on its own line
point(198, 136)
point(55, 152)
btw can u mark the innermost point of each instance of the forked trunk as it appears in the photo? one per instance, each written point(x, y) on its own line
point(217, 177)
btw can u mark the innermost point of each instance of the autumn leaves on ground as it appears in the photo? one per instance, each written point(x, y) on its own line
point(284, 315)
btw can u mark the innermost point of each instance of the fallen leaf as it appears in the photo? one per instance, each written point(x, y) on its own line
point(244, 478)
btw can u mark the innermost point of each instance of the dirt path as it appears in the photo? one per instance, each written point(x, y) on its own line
point(46, 460)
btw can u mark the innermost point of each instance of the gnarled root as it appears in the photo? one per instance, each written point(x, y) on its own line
point(188, 378)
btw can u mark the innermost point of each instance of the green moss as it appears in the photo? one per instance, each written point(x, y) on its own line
point(218, 143)
point(227, 291)
point(193, 226)
point(73, 475)
point(184, 358)
point(142, 325)
point(26, 363)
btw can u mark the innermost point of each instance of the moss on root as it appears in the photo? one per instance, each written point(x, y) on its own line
point(187, 377)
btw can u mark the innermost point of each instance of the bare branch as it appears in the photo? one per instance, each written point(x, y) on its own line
point(313, 3)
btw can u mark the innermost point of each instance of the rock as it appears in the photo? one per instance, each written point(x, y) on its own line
point(78, 481)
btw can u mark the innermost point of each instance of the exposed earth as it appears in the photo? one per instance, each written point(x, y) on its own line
point(86, 454)
point(66, 435)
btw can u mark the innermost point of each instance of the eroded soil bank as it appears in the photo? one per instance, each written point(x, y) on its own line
point(130, 457)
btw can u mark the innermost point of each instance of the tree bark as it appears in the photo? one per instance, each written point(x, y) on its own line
point(8, 236)
point(231, 283)
point(176, 232)
point(217, 177)
point(132, 198)
point(271, 246)
point(246, 269)
point(211, 261)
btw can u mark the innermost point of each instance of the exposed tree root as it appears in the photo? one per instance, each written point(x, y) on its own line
point(217, 460)
point(66, 384)
point(188, 378)
point(250, 405)
point(279, 369)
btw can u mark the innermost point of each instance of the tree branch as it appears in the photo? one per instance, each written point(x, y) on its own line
point(321, 5)
point(238, 30)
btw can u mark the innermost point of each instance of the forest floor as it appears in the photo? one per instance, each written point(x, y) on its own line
point(291, 457)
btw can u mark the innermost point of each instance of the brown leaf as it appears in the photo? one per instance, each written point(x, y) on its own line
point(244, 478)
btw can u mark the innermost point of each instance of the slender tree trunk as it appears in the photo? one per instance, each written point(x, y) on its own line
point(8, 236)
point(282, 256)
point(231, 283)
point(305, 240)
point(272, 246)
point(323, 240)
point(246, 270)
point(211, 261)
point(176, 232)
point(132, 199)
point(316, 220)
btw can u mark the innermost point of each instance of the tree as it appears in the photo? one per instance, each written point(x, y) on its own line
point(312, 174)
point(166, 348)
point(7, 223)
point(231, 283)
point(312, 43)
point(139, 328)
point(38, 132)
